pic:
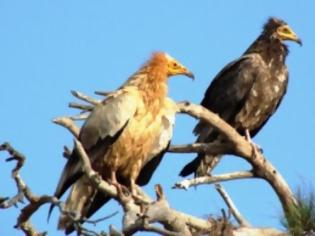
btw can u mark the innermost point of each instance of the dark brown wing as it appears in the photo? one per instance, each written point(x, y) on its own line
point(276, 100)
point(229, 90)
point(226, 96)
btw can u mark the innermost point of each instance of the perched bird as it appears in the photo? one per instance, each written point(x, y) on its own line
point(125, 136)
point(247, 91)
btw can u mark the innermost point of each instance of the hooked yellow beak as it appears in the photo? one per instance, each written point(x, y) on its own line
point(286, 33)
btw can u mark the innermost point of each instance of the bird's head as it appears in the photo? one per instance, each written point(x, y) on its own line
point(175, 68)
point(281, 30)
point(161, 66)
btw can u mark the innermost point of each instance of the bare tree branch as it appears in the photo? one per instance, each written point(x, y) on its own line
point(142, 215)
point(81, 116)
point(261, 167)
point(228, 201)
point(81, 106)
point(156, 211)
point(94, 222)
point(84, 97)
point(23, 191)
point(187, 183)
point(68, 124)
point(102, 93)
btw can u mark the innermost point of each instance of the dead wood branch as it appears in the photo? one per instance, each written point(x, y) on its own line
point(102, 93)
point(228, 201)
point(156, 211)
point(81, 106)
point(143, 216)
point(187, 183)
point(68, 124)
point(237, 145)
point(23, 192)
point(84, 97)
point(262, 168)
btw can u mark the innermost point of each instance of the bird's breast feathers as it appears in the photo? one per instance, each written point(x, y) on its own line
point(145, 136)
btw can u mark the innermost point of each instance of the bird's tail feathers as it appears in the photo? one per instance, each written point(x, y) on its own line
point(202, 165)
point(77, 204)
point(191, 167)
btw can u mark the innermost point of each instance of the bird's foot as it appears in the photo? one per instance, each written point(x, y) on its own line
point(123, 194)
point(121, 189)
point(137, 197)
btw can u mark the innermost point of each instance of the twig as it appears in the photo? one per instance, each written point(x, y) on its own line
point(23, 191)
point(81, 116)
point(81, 106)
point(102, 93)
point(84, 97)
point(68, 124)
point(235, 212)
point(151, 228)
point(186, 183)
point(94, 222)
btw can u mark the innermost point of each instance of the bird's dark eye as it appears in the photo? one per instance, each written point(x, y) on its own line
point(286, 30)
point(175, 64)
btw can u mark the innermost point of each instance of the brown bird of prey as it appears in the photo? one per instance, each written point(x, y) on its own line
point(247, 91)
point(125, 136)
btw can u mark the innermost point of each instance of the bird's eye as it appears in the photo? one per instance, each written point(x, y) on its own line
point(286, 30)
point(175, 64)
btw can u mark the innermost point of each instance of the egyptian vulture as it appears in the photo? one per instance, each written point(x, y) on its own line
point(247, 91)
point(125, 137)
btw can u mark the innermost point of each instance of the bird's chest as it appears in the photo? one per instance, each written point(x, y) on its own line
point(128, 154)
point(262, 100)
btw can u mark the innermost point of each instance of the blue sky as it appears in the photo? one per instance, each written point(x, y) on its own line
point(48, 48)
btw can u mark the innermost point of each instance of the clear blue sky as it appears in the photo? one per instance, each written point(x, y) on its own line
point(48, 48)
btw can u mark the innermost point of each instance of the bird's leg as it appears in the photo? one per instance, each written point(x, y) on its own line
point(113, 179)
point(256, 148)
point(134, 193)
point(122, 191)
point(133, 188)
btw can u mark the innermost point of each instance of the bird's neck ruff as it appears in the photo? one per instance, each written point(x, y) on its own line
point(271, 49)
point(153, 85)
point(151, 80)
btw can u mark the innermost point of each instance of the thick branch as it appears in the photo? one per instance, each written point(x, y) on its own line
point(261, 167)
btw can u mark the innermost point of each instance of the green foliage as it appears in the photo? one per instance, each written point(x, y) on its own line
point(300, 221)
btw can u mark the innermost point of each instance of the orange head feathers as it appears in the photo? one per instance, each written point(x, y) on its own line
point(153, 75)
point(161, 66)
